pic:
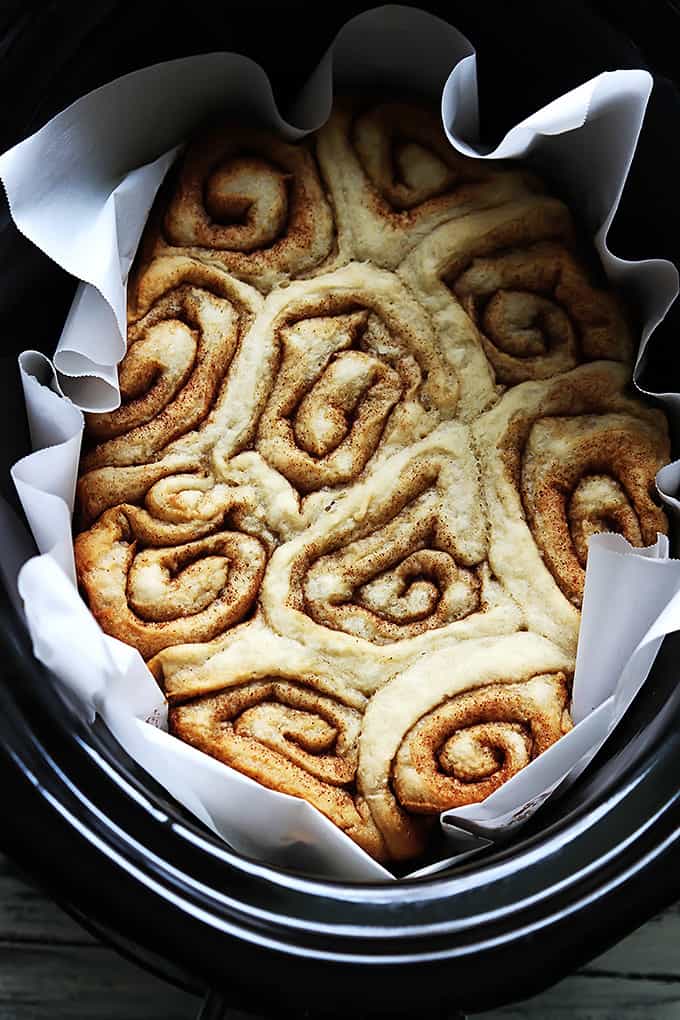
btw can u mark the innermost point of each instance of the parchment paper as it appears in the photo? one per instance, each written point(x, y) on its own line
point(81, 189)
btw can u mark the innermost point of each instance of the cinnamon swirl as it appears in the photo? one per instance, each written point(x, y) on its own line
point(247, 201)
point(291, 738)
point(509, 294)
point(562, 460)
point(394, 177)
point(453, 727)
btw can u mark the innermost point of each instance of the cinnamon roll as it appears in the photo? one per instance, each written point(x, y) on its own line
point(393, 177)
point(357, 374)
point(153, 597)
point(446, 732)
point(394, 569)
point(343, 511)
point(333, 375)
point(454, 727)
point(397, 568)
point(290, 737)
point(562, 460)
point(244, 200)
point(185, 323)
point(511, 296)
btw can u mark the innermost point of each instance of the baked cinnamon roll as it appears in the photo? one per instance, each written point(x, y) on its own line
point(291, 738)
point(562, 460)
point(510, 294)
point(398, 567)
point(454, 727)
point(446, 732)
point(186, 321)
point(244, 200)
point(393, 177)
point(153, 597)
point(356, 373)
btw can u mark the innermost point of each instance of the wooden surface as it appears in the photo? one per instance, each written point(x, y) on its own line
point(51, 969)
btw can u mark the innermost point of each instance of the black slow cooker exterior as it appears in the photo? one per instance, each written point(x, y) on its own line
point(104, 838)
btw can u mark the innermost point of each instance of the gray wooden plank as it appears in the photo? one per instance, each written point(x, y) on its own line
point(50, 968)
point(586, 997)
point(27, 915)
point(81, 983)
point(653, 950)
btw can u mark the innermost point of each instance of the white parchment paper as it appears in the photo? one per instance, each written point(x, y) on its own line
point(81, 189)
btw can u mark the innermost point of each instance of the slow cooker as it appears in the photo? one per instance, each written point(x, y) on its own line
point(103, 838)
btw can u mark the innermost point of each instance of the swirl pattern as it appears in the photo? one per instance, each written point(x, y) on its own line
point(333, 375)
point(247, 201)
point(399, 567)
point(454, 726)
point(343, 510)
point(184, 329)
point(507, 290)
point(561, 461)
point(360, 374)
point(394, 177)
point(152, 597)
point(588, 475)
point(290, 738)
point(469, 746)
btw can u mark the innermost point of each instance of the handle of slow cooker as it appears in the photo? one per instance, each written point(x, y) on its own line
point(215, 1008)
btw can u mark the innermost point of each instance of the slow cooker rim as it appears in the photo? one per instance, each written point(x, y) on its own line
point(310, 948)
point(249, 922)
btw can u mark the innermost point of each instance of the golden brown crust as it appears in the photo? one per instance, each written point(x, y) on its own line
point(248, 202)
point(290, 738)
point(352, 561)
point(155, 597)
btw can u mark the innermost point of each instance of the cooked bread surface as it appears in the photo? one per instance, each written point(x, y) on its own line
point(374, 404)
